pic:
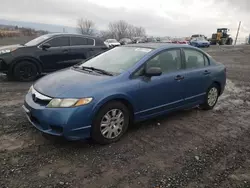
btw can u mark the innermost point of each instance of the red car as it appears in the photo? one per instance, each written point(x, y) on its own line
point(180, 42)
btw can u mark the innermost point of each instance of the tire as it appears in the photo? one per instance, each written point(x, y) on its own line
point(229, 41)
point(110, 129)
point(208, 105)
point(25, 71)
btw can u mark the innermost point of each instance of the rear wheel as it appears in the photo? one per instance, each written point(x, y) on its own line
point(229, 41)
point(110, 123)
point(211, 97)
point(25, 71)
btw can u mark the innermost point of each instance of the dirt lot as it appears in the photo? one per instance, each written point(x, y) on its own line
point(190, 148)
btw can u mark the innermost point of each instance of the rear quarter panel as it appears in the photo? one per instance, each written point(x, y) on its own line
point(218, 75)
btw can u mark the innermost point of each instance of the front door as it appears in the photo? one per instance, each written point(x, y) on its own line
point(197, 76)
point(57, 55)
point(161, 93)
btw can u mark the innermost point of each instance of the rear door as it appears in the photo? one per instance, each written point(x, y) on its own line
point(81, 48)
point(54, 58)
point(197, 75)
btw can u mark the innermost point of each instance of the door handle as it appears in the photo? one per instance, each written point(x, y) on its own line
point(179, 77)
point(206, 72)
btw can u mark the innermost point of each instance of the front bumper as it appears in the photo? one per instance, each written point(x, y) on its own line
point(3, 66)
point(203, 45)
point(72, 123)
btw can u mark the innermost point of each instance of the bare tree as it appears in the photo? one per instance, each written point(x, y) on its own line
point(140, 32)
point(105, 35)
point(131, 31)
point(85, 26)
point(119, 29)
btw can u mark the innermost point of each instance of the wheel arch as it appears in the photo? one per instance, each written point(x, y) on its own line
point(120, 98)
point(219, 85)
point(26, 58)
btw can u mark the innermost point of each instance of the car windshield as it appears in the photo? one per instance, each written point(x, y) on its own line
point(117, 60)
point(201, 39)
point(37, 40)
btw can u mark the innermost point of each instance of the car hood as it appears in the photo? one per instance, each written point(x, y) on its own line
point(69, 83)
point(200, 42)
point(15, 46)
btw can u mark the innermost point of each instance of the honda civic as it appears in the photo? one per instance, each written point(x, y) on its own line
point(99, 98)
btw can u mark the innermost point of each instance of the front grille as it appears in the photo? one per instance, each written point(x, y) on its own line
point(41, 102)
point(40, 98)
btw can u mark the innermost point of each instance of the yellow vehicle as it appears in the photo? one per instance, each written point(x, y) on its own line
point(221, 37)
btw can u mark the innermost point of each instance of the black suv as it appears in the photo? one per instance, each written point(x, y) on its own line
point(47, 53)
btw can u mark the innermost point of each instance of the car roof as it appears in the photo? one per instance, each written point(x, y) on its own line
point(158, 45)
point(71, 34)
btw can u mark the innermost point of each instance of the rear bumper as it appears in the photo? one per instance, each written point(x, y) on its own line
point(71, 123)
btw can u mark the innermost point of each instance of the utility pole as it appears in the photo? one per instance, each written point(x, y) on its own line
point(237, 33)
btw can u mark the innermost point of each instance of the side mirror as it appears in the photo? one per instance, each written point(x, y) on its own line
point(45, 46)
point(153, 71)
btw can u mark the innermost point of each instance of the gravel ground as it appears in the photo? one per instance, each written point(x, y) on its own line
point(190, 148)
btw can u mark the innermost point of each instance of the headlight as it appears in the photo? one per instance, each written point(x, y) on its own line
point(64, 103)
point(7, 51)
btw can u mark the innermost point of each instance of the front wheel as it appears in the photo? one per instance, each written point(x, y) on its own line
point(211, 97)
point(25, 71)
point(110, 123)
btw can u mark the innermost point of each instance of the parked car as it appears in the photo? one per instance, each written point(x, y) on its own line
point(125, 41)
point(126, 84)
point(47, 53)
point(180, 41)
point(199, 42)
point(151, 39)
point(166, 40)
point(183, 42)
point(137, 40)
point(112, 43)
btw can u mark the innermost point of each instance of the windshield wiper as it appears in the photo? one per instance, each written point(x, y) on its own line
point(97, 70)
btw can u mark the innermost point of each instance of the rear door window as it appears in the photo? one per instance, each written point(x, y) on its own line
point(195, 59)
point(78, 41)
point(59, 41)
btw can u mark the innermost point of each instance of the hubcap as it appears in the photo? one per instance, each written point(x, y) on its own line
point(112, 123)
point(26, 72)
point(212, 96)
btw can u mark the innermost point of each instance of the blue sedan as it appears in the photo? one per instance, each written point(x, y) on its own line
point(199, 42)
point(99, 98)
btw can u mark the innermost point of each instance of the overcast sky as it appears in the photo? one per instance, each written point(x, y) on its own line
point(158, 17)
